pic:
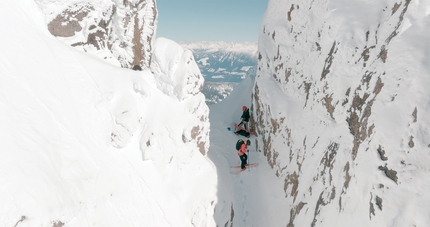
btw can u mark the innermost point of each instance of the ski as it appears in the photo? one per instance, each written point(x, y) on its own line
point(239, 130)
point(241, 170)
point(237, 127)
point(246, 165)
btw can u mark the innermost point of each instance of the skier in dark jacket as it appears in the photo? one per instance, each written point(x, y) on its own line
point(245, 118)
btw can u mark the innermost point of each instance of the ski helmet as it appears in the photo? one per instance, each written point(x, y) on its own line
point(243, 108)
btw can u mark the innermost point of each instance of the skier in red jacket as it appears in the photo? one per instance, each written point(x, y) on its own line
point(242, 152)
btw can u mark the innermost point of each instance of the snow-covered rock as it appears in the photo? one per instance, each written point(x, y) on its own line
point(176, 71)
point(341, 108)
point(87, 143)
point(119, 31)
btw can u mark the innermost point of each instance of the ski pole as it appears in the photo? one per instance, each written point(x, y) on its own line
point(248, 161)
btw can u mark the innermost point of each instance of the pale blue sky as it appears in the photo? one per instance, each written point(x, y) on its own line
point(210, 20)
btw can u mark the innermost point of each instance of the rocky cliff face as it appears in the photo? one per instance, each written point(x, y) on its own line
point(340, 104)
point(122, 31)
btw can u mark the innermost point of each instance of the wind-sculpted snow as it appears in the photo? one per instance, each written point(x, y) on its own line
point(341, 107)
point(176, 70)
point(88, 143)
point(119, 31)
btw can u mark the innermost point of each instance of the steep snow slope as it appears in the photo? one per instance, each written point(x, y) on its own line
point(341, 103)
point(86, 143)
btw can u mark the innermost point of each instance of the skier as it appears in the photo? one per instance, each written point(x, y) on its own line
point(244, 118)
point(241, 147)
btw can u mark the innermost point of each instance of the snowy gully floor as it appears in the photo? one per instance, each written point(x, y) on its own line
point(256, 195)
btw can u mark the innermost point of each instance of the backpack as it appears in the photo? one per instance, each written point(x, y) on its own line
point(243, 133)
point(239, 143)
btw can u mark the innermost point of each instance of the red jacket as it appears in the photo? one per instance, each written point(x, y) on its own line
point(242, 150)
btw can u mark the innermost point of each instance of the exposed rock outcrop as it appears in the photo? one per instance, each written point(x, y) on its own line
point(325, 102)
point(121, 31)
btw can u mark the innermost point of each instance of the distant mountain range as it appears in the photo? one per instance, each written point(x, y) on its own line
point(217, 91)
point(223, 65)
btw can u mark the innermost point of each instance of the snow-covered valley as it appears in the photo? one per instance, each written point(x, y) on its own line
point(224, 62)
point(223, 65)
